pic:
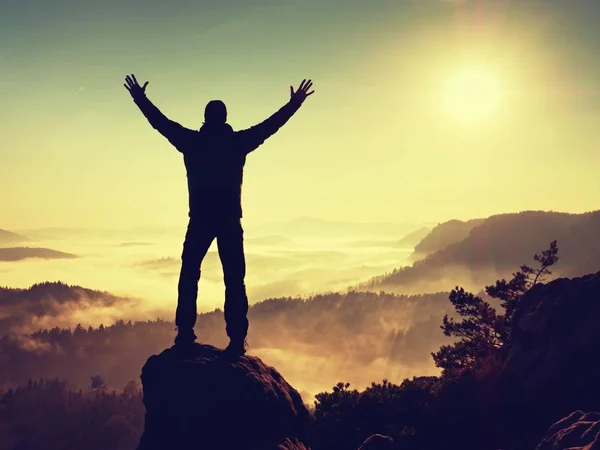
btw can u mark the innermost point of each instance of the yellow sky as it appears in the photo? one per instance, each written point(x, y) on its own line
point(375, 143)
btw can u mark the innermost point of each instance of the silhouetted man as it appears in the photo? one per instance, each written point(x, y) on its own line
point(214, 158)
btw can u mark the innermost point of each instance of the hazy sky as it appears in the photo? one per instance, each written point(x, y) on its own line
point(383, 138)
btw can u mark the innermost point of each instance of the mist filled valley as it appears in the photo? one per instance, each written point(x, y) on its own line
point(290, 259)
point(330, 301)
point(108, 276)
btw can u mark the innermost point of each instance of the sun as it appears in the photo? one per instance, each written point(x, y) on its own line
point(472, 95)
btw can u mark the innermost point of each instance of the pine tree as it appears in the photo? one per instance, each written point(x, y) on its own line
point(483, 331)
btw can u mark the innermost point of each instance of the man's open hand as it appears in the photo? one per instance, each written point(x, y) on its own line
point(134, 88)
point(302, 92)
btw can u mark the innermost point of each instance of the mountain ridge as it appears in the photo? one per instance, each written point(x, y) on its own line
point(9, 237)
point(12, 254)
point(499, 244)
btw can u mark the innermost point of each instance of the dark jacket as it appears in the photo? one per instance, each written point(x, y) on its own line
point(214, 157)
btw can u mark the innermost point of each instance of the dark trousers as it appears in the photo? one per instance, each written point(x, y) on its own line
point(230, 241)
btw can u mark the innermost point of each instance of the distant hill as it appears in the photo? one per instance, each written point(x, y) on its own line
point(49, 302)
point(19, 253)
point(8, 237)
point(497, 247)
point(442, 236)
point(58, 291)
point(413, 239)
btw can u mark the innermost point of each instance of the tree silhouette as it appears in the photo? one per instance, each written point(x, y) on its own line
point(483, 331)
point(132, 388)
point(47, 414)
point(97, 383)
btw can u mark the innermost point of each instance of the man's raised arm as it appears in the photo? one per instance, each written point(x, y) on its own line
point(257, 134)
point(174, 132)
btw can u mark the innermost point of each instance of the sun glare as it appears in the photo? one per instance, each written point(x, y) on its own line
point(472, 95)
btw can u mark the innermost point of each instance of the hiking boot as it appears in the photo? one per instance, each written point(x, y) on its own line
point(237, 347)
point(185, 336)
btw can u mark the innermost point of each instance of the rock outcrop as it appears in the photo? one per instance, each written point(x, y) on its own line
point(577, 431)
point(378, 442)
point(551, 367)
point(202, 398)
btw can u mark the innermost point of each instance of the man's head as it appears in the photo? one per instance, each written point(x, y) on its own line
point(215, 112)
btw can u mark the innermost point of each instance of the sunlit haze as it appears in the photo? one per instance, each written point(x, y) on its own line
point(472, 95)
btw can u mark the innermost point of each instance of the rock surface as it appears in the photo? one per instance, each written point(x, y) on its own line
point(577, 431)
point(202, 398)
point(378, 442)
point(551, 367)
